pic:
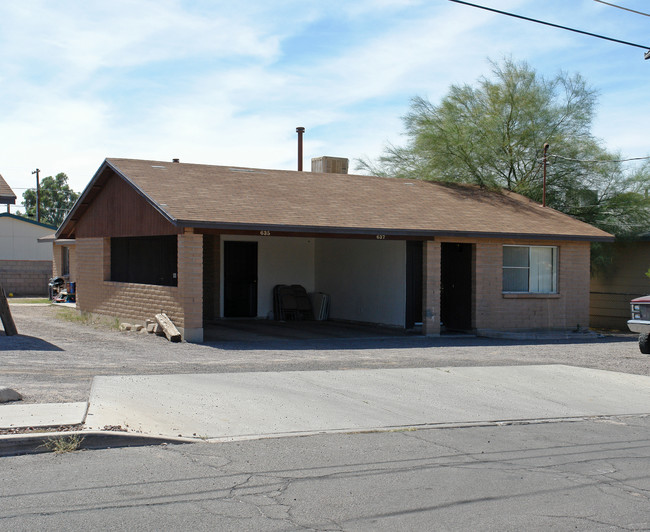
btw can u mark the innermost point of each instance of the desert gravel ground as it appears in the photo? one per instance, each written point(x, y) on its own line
point(54, 360)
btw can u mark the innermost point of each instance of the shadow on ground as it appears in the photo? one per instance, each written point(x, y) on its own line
point(21, 342)
point(254, 334)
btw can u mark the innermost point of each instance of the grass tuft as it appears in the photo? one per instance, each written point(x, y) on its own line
point(87, 318)
point(64, 444)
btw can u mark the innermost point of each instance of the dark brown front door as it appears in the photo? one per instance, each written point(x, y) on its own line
point(456, 286)
point(414, 294)
point(239, 279)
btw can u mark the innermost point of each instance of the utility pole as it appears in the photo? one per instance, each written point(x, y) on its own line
point(38, 196)
point(544, 185)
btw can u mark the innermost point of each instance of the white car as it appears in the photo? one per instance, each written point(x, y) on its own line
point(640, 322)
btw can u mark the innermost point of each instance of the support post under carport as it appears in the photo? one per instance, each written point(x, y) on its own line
point(431, 288)
point(190, 284)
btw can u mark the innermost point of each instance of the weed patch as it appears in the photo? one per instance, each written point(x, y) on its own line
point(64, 444)
point(86, 318)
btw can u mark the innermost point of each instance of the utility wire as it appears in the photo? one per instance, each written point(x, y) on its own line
point(598, 160)
point(624, 8)
point(552, 25)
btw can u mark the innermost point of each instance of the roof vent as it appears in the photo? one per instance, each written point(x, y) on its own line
point(176, 160)
point(329, 165)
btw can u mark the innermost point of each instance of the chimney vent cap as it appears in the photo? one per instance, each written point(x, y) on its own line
point(176, 160)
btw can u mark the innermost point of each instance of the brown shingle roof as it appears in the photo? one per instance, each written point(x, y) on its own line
point(197, 195)
point(6, 194)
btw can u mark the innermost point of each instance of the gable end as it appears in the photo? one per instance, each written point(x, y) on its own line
point(116, 209)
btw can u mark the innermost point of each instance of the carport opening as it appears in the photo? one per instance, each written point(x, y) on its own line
point(367, 282)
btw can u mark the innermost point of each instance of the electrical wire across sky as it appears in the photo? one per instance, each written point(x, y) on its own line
point(644, 47)
point(623, 8)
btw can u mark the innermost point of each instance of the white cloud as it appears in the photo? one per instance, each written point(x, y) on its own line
point(218, 82)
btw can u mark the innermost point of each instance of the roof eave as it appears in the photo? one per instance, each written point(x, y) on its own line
point(378, 231)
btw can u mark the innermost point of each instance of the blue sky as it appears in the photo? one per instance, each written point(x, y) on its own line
point(227, 83)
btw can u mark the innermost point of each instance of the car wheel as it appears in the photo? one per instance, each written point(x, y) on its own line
point(644, 343)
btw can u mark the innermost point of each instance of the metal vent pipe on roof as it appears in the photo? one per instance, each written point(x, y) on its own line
point(176, 160)
point(300, 131)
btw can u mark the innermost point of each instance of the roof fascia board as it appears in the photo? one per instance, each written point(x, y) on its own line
point(23, 219)
point(374, 232)
point(81, 199)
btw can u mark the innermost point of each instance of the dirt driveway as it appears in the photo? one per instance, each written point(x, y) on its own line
point(54, 360)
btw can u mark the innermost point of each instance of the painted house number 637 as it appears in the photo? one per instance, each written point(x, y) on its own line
point(381, 237)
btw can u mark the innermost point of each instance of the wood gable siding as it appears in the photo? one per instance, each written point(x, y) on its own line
point(118, 210)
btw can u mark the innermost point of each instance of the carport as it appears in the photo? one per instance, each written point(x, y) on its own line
point(367, 280)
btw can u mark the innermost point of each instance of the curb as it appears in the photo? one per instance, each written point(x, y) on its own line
point(21, 444)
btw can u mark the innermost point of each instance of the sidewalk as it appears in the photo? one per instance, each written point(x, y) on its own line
point(232, 406)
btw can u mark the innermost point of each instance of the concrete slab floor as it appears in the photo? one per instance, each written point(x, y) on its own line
point(241, 329)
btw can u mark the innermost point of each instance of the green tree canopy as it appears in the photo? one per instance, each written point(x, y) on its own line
point(57, 198)
point(492, 134)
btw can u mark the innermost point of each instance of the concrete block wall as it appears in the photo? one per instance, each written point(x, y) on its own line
point(57, 252)
point(493, 309)
point(431, 288)
point(25, 277)
point(190, 284)
point(126, 301)
point(57, 263)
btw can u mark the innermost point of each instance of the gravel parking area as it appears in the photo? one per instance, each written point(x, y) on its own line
point(54, 360)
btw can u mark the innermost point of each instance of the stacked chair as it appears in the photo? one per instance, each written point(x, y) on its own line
point(291, 302)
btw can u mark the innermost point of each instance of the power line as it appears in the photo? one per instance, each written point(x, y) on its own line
point(555, 25)
point(599, 160)
point(623, 8)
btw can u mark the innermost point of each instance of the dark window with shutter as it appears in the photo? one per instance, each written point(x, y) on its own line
point(144, 260)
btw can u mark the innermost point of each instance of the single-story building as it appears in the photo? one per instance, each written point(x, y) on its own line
point(25, 264)
point(7, 196)
point(612, 288)
point(203, 242)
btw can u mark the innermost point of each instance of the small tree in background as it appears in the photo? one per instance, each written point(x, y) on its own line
point(492, 135)
point(57, 198)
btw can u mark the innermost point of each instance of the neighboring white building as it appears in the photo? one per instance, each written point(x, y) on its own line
point(25, 263)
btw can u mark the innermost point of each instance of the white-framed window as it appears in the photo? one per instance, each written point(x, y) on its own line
point(530, 269)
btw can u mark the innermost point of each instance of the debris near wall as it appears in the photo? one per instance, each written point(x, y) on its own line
point(5, 315)
point(161, 325)
point(170, 330)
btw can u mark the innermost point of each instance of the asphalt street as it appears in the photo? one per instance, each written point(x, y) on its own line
point(586, 475)
point(583, 465)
